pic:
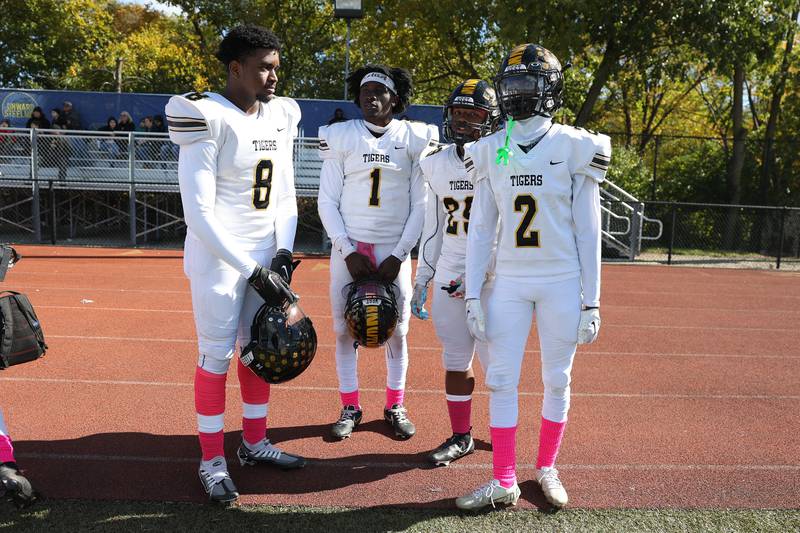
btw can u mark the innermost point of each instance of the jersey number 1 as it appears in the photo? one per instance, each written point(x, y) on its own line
point(526, 237)
point(262, 184)
point(374, 196)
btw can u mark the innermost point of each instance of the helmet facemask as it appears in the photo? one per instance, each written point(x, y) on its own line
point(530, 82)
point(474, 130)
point(525, 95)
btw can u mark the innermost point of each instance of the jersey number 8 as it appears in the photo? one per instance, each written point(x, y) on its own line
point(262, 185)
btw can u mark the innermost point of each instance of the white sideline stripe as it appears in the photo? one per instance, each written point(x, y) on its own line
point(418, 391)
point(427, 348)
point(151, 310)
point(39, 288)
point(612, 325)
point(333, 463)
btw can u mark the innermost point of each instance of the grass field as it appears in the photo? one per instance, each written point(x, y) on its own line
point(123, 517)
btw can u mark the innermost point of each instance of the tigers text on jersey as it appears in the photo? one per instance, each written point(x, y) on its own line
point(450, 194)
point(534, 197)
point(254, 169)
point(376, 193)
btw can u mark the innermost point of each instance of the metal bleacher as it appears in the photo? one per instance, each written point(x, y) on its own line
point(132, 180)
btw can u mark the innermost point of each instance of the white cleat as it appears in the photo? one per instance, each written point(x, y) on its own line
point(217, 482)
point(492, 494)
point(551, 486)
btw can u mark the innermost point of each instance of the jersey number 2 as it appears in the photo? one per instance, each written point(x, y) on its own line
point(262, 184)
point(526, 237)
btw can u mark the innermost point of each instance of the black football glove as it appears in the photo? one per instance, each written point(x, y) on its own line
point(282, 264)
point(271, 287)
point(14, 487)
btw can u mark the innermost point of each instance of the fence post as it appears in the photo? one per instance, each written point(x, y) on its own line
point(53, 222)
point(636, 230)
point(655, 168)
point(780, 238)
point(36, 214)
point(672, 232)
point(132, 190)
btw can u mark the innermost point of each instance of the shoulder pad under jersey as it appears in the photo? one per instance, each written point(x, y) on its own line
point(191, 118)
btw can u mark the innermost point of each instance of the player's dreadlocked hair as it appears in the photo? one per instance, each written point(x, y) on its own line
point(243, 39)
point(400, 76)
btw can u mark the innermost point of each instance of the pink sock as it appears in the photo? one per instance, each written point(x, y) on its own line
point(460, 415)
point(212, 444)
point(365, 248)
point(549, 442)
point(350, 398)
point(394, 397)
point(255, 402)
point(504, 455)
point(6, 449)
point(209, 402)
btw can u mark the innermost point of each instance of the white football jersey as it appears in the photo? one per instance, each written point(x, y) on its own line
point(254, 166)
point(376, 195)
point(451, 189)
point(534, 197)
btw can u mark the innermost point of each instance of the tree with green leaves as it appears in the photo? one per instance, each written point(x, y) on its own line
point(41, 39)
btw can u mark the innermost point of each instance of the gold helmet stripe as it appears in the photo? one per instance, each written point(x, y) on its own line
point(469, 86)
point(515, 58)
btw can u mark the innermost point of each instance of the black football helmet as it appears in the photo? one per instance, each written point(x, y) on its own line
point(371, 312)
point(283, 343)
point(530, 82)
point(474, 94)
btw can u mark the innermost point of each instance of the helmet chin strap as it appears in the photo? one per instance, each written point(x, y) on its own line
point(531, 128)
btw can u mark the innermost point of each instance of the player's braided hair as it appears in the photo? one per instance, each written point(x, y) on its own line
point(400, 76)
point(243, 39)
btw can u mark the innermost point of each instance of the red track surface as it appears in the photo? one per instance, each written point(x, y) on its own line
point(690, 398)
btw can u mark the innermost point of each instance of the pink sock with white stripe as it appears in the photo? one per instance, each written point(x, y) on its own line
point(504, 455)
point(460, 410)
point(209, 402)
point(549, 442)
point(255, 404)
point(394, 397)
point(350, 398)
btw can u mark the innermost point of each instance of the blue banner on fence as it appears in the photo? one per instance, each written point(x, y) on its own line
point(95, 108)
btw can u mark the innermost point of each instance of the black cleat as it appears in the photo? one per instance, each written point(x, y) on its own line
point(264, 453)
point(397, 417)
point(349, 419)
point(217, 482)
point(15, 487)
point(456, 447)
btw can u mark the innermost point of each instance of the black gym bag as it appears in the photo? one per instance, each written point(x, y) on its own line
point(21, 336)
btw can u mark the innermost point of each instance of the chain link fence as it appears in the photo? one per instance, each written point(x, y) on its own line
point(95, 188)
point(715, 234)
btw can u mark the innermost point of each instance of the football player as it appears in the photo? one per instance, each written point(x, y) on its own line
point(13, 485)
point(541, 181)
point(372, 204)
point(471, 111)
point(237, 187)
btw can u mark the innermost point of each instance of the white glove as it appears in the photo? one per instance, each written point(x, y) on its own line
point(589, 326)
point(418, 302)
point(457, 288)
point(475, 321)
